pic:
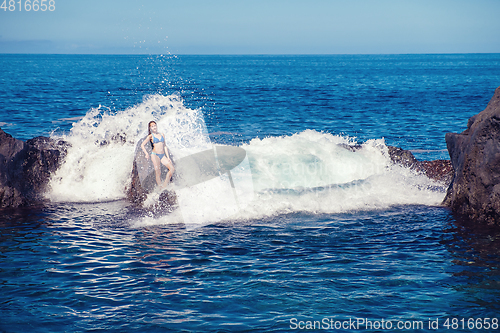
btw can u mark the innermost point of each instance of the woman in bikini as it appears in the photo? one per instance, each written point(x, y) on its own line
point(159, 154)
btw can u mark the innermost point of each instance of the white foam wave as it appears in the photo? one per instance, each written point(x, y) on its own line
point(310, 171)
point(311, 159)
point(323, 173)
point(395, 186)
point(99, 162)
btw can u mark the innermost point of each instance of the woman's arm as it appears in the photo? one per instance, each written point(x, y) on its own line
point(148, 138)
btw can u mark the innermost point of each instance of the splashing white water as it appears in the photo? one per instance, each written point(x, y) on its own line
point(321, 173)
point(308, 171)
point(99, 162)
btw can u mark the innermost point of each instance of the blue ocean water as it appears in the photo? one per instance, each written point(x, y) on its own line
point(371, 243)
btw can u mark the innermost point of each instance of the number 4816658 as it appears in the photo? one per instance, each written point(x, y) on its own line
point(29, 5)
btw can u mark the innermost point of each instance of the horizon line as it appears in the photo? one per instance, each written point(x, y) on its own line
point(242, 54)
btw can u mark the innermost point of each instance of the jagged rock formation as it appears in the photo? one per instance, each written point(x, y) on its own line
point(138, 190)
point(475, 155)
point(25, 168)
point(440, 170)
point(137, 194)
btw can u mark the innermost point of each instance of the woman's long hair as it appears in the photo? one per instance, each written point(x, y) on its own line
point(149, 126)
point(149, 131)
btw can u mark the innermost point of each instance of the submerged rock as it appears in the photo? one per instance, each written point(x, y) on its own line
point(475, 155)
point(25, 168)
point(402, 157)
point(439, 170)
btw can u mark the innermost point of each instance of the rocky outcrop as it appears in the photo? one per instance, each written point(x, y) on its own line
point(25, 168)
point(475, 155)
point(440, 170)
point(10, 196)
point(138, 190)
point(137, 194)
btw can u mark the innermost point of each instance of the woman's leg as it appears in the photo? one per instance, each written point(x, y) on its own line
point(156, 163)
point(168, 163)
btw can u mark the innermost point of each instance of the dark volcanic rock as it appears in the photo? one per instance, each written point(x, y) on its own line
point(403, 157)
point(475, 155)
point(138, 190)
point(25, 168)
point(440, 170)
point(10, 196)
point(137, 194)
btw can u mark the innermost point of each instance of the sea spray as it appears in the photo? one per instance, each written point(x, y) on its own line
point(395, 186)
point(99, 163)
point(310, 171)
point(103, 147)
point(311, 159)
point(315, 172)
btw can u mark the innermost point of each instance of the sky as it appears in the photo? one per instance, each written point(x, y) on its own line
point(251, 27)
